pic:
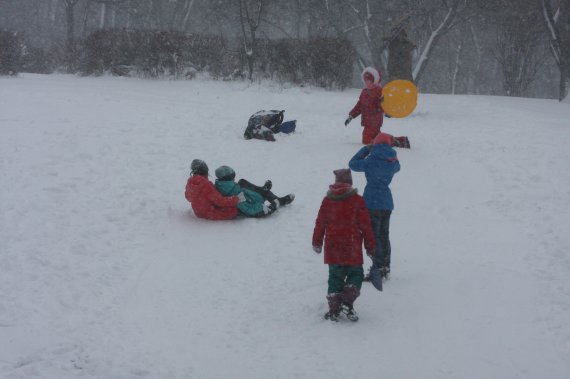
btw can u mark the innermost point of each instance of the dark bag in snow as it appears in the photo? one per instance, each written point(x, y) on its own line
point(263, 125)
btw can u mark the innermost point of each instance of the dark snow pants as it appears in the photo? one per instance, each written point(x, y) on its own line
point(344, 286)
point(381, 227)
point(266, 194)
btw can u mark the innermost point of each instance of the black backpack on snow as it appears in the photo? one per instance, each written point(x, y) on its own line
point(264, 124)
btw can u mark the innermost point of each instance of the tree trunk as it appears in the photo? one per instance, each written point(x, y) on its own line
point(559, 33)
point(252, 20)
point(188, 11)
point(70, 21)
point(70, 43)
point(457, 65)
point(432, 41)
point(564, 28)
point(103, 15)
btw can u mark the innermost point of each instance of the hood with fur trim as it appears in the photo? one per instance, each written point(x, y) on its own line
point(376, 74)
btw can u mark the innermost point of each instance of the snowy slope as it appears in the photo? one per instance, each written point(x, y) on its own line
point(106, 273)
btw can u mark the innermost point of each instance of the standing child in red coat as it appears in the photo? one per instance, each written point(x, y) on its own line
point(368, 106)
point(343, 223)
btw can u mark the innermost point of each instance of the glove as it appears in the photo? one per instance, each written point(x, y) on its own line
point(241, 197)
point(347, 121)
point(370, 253)
point(268, 208)
point(317, 249)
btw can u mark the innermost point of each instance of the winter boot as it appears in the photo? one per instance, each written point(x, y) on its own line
point(349, 311)
point(335, 301)
point(402, 142)
point(349, 294)
point(286, 199)
point(331, 316)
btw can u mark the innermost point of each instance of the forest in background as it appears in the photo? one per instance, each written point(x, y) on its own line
point(487, 47)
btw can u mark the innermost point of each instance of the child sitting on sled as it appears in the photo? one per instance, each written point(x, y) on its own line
point(259, 201)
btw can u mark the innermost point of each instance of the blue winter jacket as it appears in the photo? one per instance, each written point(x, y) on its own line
point(379, 164)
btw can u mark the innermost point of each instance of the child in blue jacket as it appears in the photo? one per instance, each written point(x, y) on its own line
point(379, 162)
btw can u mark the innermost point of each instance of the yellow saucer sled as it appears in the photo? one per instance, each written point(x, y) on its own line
point(400, 98)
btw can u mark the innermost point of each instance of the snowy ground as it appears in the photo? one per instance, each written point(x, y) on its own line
point(106, 273)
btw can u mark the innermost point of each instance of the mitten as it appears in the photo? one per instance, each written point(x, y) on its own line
point(268, 208)
point(347, 121)
point(241, 197)
point(317, 249)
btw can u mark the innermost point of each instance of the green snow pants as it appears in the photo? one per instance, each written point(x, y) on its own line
point(341, 276)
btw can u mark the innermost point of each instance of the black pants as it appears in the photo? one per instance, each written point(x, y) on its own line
point(381, 228)
point(266, 194)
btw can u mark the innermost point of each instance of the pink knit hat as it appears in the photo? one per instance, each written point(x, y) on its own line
point(343, 176)
point(383, 138)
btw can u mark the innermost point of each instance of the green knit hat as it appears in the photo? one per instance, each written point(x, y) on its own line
point(225, 173)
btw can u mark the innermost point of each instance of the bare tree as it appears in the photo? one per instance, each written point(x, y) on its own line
point(438, 28)
point(518, 44)
point(557, 21)
point(69, 6)
point(70, 22)
point(250, 15)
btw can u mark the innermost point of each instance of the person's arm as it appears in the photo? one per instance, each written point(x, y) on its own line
point(396, 166)
point(358, 162)
point(218, 200)
point(381, 102)
point(357, 110)
point(365, 226)
point(320, 227)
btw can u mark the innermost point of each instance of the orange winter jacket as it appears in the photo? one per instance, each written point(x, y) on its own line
point(207, 202)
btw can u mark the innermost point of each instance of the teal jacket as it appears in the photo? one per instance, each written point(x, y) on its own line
point(253, 204)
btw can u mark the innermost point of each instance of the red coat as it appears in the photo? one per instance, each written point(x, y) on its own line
point(368, 107)
point(207, 202)
point(343, 222)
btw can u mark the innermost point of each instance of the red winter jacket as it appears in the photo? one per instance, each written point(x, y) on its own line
point(368, 107)
point(207, 202)
point(343, 222)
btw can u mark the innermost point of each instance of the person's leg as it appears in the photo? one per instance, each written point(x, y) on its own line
point(369, 133)
point(263, 191)
point(351, 290)
point(266, 193)
point(402, 142)
point(384, 258)
point(376, 220)
point(334, 291)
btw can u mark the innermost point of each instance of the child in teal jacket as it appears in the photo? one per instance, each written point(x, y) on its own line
point(259, 201)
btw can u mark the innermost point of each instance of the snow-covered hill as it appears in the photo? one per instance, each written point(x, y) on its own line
point(106, 273)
